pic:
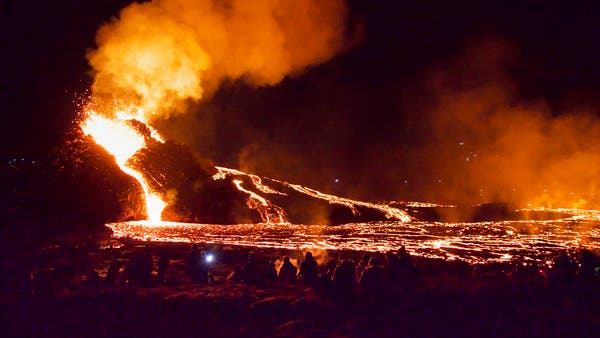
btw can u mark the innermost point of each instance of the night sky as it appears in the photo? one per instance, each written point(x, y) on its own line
point(357, 118)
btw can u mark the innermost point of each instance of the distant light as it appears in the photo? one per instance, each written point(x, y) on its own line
point(461, 143)
point(210, 258)
point(337, 180)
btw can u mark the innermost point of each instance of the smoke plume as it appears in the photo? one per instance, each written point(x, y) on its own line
point(488, 144)
point(158, 55)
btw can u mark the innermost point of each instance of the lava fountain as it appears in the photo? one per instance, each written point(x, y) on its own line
point(122, 140)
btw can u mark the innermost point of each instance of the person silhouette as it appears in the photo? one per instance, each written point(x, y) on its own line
point(288, 271)
point(308, 269)
point(197, 269)
point(344, 280)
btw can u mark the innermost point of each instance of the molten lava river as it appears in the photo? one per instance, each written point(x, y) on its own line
point(478, 242)
point(473, 242)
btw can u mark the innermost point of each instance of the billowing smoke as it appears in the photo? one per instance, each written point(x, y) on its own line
point(157, 55)
point(485, 143)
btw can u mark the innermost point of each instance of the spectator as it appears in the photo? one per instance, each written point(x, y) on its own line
point(198, 270)
point(344, 280)
point(308, 269)
point(371, 284)
point(287, 272)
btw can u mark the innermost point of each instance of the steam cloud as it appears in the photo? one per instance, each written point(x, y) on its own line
point(158, 54)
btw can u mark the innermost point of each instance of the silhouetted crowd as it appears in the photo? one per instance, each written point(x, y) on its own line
point(375, 276)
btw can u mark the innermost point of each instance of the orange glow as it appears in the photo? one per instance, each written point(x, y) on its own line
point(122, 141)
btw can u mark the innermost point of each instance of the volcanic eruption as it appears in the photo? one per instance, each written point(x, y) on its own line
point(300, 168)
point(158, 56)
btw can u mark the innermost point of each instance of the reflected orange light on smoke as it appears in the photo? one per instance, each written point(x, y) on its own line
point(121, 140)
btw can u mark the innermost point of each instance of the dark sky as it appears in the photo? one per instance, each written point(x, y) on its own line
point(350, 118)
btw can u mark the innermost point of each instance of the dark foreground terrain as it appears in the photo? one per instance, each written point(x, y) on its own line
point(62, 290)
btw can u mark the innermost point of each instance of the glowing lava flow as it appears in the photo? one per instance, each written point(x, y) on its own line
point(269, 212)
point(223, 172)
point(479, 242)
point(390, 212)
point(122, 141)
